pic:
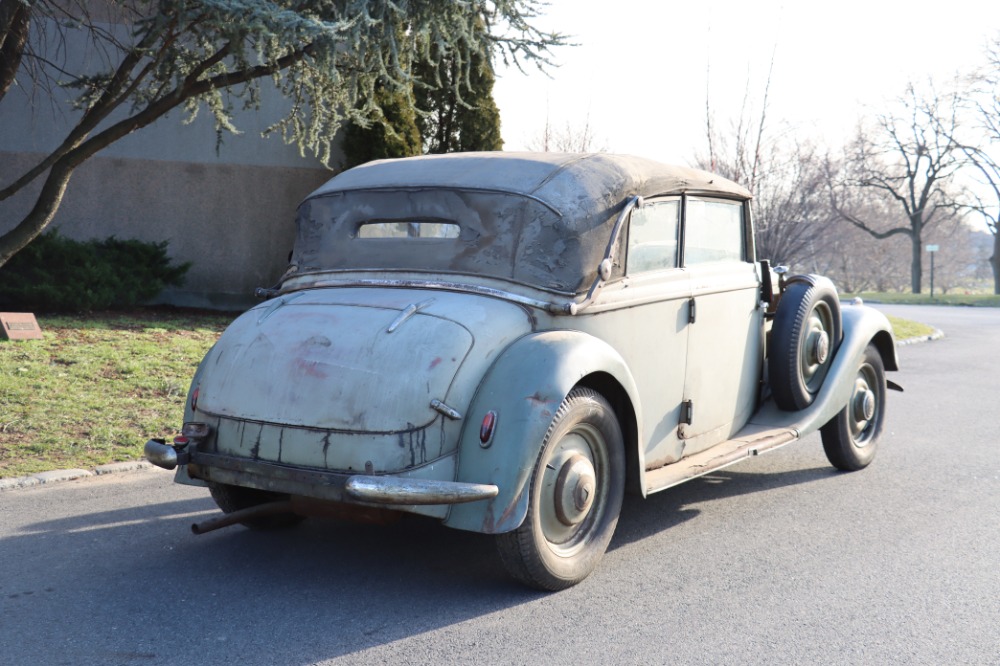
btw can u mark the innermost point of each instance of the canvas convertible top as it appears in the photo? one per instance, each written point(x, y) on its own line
point(539, 219)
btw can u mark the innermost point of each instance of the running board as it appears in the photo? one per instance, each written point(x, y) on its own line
point(751, 441)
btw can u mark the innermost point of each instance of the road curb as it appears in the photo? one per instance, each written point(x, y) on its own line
point(60, 475)
point(936, 335)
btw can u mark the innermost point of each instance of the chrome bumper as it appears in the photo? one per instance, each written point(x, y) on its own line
point(164, 455)
point(376, 490)
point(399, 490)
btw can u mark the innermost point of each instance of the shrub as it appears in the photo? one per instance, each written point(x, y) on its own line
point(57, 274)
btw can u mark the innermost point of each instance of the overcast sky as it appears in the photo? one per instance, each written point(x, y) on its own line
point(639, 72)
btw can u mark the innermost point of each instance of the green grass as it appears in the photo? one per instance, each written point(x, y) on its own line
point(97, 387)
point(975, 300)
point(906, 329)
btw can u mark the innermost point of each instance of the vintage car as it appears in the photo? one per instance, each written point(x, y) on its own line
point(508, 342)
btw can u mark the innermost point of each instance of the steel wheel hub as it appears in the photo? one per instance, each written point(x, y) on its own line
point(820, 347)
point(575, 489)
point(863, 407)
point(815, 346)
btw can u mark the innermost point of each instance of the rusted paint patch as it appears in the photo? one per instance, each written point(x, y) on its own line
point(537, 399)
point(416, 442)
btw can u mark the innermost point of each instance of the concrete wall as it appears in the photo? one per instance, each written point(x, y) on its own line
point(235, 222)
point(227, 208)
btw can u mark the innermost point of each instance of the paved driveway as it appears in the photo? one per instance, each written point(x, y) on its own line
point(780, 560)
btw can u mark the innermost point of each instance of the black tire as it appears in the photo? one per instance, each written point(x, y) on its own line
point(575, 497)
point(235, 498)
point(807, 330)
point(850, 438)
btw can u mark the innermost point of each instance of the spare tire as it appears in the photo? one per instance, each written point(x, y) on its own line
point(805, 334)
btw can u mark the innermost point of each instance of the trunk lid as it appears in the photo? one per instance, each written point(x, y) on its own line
point(303, 362)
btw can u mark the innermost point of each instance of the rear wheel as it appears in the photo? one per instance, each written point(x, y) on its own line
point(234, 498)
point(575, 497)
point(850, 438)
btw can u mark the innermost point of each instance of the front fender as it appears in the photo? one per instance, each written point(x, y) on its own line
point(525, 387)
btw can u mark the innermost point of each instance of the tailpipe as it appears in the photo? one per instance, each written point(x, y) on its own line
point(259, 511)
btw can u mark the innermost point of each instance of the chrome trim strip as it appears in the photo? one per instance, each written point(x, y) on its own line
point(604, 270)
point(553, 307)
point(397, 490)
point(422, 188)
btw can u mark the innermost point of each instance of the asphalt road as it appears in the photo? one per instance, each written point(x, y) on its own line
point(780, 560)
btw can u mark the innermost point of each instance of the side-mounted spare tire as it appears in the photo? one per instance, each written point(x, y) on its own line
point(805, 334)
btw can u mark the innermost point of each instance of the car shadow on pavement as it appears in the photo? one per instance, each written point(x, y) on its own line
point(136, 581)
point(644, 517)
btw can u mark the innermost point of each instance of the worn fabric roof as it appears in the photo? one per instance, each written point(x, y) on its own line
point(561, 180)
point(538, 219)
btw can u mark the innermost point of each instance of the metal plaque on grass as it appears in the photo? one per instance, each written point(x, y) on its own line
point(19, 326)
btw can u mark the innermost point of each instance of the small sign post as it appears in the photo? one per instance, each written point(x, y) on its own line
point(931, 249)
point(19, 326)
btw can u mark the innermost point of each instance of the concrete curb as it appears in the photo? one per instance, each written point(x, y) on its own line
point(936, 335)
point(59, 475)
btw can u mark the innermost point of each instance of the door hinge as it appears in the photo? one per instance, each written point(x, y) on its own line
point(687, 412)
point(691, 311)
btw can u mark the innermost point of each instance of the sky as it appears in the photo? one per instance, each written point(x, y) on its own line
point(641, 68)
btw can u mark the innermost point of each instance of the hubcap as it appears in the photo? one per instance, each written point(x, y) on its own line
point(572, 495)
point(820, 347)
point(574, 491)
point(815, 349)
point(863, 406)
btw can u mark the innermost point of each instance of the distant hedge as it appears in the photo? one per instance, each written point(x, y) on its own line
point(57, 274)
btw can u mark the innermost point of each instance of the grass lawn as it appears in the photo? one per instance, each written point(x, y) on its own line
point(905, 329)
point(955, 298)
point(98, 386)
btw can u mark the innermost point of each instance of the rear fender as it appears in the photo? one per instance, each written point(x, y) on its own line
point(525, 387)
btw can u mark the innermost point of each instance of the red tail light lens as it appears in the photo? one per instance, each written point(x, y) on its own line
point(486, 430)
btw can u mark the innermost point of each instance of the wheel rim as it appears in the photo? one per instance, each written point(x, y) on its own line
point(863, 409)
point(814, 352)
point(573, 489)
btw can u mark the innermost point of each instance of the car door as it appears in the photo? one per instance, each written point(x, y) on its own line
point(725, 338)
point(652, 330)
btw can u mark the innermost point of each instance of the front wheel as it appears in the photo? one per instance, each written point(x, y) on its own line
point(850, 438)
point(575, 496)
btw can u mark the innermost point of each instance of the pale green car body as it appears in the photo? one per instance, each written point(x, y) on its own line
point(369, 375)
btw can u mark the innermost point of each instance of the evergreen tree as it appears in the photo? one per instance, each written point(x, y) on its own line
point(393, 132)
point(455, 102)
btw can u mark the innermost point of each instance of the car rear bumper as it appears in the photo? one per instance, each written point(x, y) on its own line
point(371, 489)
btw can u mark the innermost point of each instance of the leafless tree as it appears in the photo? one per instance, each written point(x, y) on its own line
point(851, 258)
point(569, 138)
point(985, 102)
point(786, 177)
point(910, 157)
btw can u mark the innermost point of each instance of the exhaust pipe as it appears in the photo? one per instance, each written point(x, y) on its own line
point(259, 511)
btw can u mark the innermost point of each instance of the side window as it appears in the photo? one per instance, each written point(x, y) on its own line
point(713, 231)
point(652, 237)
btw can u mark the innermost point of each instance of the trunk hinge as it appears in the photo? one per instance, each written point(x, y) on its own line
point(691, 311)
